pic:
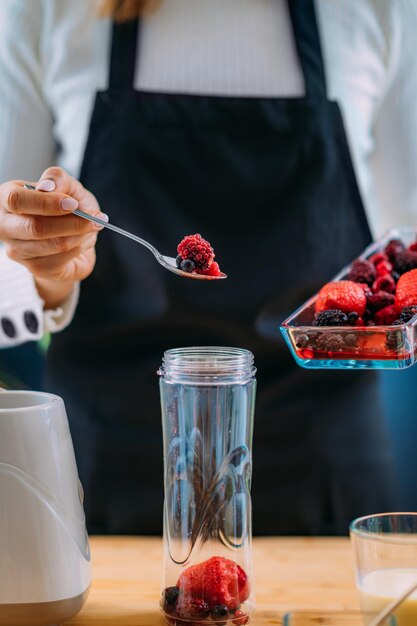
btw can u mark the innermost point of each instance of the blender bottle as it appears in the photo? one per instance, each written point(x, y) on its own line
point(207, 397)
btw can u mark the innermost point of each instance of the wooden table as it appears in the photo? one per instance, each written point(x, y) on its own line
point(290, 573)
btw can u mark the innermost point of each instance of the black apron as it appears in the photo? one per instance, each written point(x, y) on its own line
point(269, 182)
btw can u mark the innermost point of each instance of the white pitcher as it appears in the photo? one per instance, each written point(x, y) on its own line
point(45, 570)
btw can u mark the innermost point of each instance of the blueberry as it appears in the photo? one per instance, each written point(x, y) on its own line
point(171, 596)
point(178, 260)
point(8, 327)
point(220, 610)
point(187, 266)
point(302, 341)
point(31, 321)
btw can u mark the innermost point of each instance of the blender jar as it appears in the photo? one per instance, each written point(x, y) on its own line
point(207, 398)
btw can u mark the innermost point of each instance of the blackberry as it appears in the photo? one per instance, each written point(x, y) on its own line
point(187, 266)
point(362, 272)
point(330, 343)
point(171, 596)
point(407, 313)
point(393, 248)
point(405, 261)
point(331, 317)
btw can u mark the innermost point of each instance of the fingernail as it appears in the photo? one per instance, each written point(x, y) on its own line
point(46, 185)
point(103, 217)
point(68, 204)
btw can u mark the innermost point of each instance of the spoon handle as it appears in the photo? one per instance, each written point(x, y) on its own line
point(386, 612)
point(116, 229)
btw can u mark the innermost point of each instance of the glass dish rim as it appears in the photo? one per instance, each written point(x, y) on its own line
point(410, 538)
point(368, 251)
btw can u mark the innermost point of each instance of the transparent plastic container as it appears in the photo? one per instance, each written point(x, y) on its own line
point(352, 347)
point(207, 397)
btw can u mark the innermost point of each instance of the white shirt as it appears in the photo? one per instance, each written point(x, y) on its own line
point(54, 56)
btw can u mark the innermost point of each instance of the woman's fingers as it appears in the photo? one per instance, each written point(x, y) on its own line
point(57, 179)
point(21, 251)
point(20, 201)
point(60, 267)
point(36, 227)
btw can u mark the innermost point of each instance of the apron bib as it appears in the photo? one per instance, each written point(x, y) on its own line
point(269, 182)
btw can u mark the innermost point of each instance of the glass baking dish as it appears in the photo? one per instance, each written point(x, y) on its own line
point(363, 347)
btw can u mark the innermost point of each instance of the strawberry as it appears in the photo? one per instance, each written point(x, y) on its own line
point(218, 581)
point(344, 295)
point(406, 294)
point(213, 270)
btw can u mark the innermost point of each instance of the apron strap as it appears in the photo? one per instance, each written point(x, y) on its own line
point(123, 54)
point(125, 38)
point(307, 40)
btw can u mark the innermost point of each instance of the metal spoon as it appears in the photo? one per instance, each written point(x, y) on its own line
point(390, 608)
point(168, 262)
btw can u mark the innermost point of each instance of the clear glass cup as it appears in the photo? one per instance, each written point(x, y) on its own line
point(385, 549)
point(207, 398)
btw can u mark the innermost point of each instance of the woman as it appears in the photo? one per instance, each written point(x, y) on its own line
point(186, 138)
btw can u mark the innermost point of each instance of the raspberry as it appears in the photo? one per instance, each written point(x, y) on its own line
point(384, 283)
point(213, 270)
point(408, 313)
point(386, 316)
point(380, 299)
point(406, 294)
point(405, 261)
point(413, 247)
point(379, 257)
point(345, 295)
point(384, 268)
point(393, 248)
point(240, 618)
point(362, 272)
point(198, 250)
point(332, 317)
point(218, 581)
point(330, 343)
point(192, 608)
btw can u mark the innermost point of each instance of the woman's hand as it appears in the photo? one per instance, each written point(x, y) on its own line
point(40, 232)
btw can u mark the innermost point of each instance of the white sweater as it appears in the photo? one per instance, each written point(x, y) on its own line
point(54, 56)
